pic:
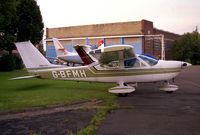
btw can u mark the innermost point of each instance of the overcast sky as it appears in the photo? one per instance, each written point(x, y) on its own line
point(178, 16)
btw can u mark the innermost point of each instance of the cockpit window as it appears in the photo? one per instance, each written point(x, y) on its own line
point(148, 60)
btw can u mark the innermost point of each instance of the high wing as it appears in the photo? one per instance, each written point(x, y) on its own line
point(114, 48)
point(107, 55)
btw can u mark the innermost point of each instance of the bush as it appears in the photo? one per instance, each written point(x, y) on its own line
point(18, 62)
point(188, 60)
point(187, 48)
point(10, 62)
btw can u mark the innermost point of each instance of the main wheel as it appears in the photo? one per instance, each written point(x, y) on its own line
point(169, 92)
point(123, 94)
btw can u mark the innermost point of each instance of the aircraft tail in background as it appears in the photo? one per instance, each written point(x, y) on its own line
point(60, 50)
point(101, 44)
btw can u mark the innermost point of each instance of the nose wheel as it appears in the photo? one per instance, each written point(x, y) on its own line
point(168, 88)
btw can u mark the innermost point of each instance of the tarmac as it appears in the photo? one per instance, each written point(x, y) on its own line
point(154, 112)
point(58, 119)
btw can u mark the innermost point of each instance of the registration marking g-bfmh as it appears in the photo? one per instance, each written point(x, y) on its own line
point(69, 74)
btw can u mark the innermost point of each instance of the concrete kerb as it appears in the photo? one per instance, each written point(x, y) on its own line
point(34, 111)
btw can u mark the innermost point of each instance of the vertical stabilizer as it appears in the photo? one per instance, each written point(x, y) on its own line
point(101, 45)
point(60, 50)
point(30, 55)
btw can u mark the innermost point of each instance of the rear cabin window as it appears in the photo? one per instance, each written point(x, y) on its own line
point(109, 59)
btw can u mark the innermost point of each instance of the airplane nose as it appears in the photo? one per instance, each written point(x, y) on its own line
point(185, 64)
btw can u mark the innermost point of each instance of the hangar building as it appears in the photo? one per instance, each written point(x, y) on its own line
point(131, 33)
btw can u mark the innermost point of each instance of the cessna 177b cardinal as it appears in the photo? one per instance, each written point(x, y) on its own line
point(117, 63)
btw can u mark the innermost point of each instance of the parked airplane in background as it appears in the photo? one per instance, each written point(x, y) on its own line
point(64, 55)
point(117, 63)
point(70, 57)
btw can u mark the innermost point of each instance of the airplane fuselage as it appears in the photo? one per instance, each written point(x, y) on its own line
point(93, 73)
point(73, 57)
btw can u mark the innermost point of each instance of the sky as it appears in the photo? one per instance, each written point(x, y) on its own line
point(178, 16)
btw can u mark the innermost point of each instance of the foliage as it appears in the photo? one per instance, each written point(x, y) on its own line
point(19, 21)
point(10, 62)
point(40, 48)
point(8, 19)
point(30, 25)
point(94, 123)
point(98, 117)
point(187, 48)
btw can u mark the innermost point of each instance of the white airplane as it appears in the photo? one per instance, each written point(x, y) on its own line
point(117, 63)
point(70, 57)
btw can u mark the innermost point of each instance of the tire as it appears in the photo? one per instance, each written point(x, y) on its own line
point(169, 92)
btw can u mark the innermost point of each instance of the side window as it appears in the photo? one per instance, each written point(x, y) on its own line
point(132, 63)
point(110, 59)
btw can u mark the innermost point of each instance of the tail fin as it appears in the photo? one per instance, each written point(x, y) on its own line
point(101, 44)
point(30, 55)
point(60, 50)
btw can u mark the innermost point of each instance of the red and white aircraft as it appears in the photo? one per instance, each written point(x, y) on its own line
point(71, 57)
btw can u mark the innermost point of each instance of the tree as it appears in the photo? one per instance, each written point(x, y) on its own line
point(20, 20)
point(30, 25)
point(8, 19)
point(187, 48)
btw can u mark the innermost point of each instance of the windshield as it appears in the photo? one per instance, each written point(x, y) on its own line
point(148, 60)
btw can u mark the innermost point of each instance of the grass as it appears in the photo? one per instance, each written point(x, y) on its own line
point(33, 92)
point(98, 117)
point(195, 65)
point(94, 123)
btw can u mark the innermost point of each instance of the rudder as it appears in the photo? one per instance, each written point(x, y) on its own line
point(60, 50)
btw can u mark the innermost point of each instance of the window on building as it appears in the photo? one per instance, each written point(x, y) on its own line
point(148, 43)
point(169, 44)
point(156, 44)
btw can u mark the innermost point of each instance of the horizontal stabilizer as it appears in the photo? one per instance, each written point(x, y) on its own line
point(24, 77)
